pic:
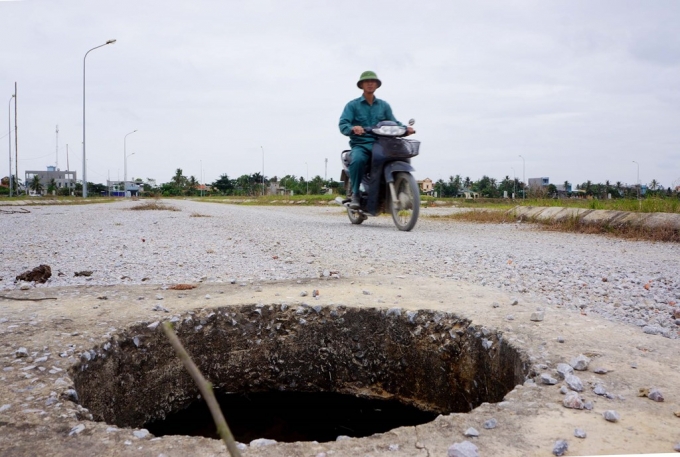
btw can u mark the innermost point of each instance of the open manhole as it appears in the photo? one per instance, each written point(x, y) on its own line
point(299, 373)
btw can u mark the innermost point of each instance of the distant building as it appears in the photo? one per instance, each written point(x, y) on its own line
point(426, 186)
point(537, 183)
point(62, 179)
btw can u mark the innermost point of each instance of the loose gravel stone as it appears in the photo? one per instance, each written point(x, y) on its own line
point(560, 447)
point(143, 433)
point(547, 379)
point(564, 390)
point(537, 316)
point(560, 339)
point(599, 389)
point(564, 369)
point(21, 352)
point(580, 363)
point(656, 395)
point(463, 449)
point(76, 430)
point(574, 383)
point(260, 442)
point(579, 433)
point(490, 424)
point(471, 432)
point(676, 448)
point(611, 415)
point(600, 370)
point(573, 401)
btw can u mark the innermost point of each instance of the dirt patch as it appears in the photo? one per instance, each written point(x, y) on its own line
point(39, 274)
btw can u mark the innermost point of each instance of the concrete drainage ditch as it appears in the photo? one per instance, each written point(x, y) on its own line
point(299, 373)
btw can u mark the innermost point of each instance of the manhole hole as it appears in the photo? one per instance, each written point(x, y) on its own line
point(299, 373)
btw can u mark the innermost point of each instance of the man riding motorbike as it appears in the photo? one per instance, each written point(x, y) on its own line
point(361, 112)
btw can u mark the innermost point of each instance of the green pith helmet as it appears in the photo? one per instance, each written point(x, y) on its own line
point(368, 75)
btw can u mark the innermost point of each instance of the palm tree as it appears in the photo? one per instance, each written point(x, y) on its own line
point(192, 184)
point(52, 186)
point(36, 186)
point(654, 184)
point(179, 179)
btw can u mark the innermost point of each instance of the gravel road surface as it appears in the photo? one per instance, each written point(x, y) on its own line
point(627, 281)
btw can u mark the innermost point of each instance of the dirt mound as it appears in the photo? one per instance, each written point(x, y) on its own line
point(39, 274)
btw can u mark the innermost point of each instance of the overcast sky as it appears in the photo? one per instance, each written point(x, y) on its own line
point(579, 88)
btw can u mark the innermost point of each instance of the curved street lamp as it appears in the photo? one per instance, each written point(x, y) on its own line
point(125, 156)
point(84, 157)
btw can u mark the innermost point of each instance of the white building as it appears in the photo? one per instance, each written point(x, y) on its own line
point(62, 179)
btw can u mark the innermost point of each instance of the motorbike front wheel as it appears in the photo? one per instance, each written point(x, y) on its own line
point(405, 212)
point(355, 217)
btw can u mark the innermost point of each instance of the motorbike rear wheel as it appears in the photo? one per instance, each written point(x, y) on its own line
point(405, 213)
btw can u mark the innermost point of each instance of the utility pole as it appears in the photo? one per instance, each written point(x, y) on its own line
point(325, 171)
point(16, 141)
point(57, 161)
point(67, 166)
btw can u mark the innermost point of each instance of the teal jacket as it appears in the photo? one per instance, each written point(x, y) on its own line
point(359, 112)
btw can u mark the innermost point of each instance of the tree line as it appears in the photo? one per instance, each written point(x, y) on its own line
point(246, 185)
point(255, 184)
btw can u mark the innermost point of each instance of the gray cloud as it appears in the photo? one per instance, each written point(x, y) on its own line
point(580, 89)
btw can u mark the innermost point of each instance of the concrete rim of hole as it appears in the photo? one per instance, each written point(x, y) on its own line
point(433, 360)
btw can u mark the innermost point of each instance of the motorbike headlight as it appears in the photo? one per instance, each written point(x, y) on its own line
point(390, 130)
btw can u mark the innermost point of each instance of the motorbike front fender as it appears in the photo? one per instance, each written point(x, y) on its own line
point(395, 167)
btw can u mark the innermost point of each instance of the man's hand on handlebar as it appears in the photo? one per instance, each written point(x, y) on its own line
point(410, 131)
point(358, 130)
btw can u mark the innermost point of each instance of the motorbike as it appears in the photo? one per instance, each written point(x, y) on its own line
point(388, 185)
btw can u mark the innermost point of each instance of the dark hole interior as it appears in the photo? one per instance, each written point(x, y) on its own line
point(292, 416)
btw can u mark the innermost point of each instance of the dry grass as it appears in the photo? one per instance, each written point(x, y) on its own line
point(154, 205)
point(574, 225)
point(199, 215)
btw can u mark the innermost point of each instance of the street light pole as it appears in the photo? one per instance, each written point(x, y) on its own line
point(84, 157)
point(514, 183)
point(125, 156)
point(524, 184)
point(9, 134)
point(262, 170)
point(638, 185)
point(124, 173)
